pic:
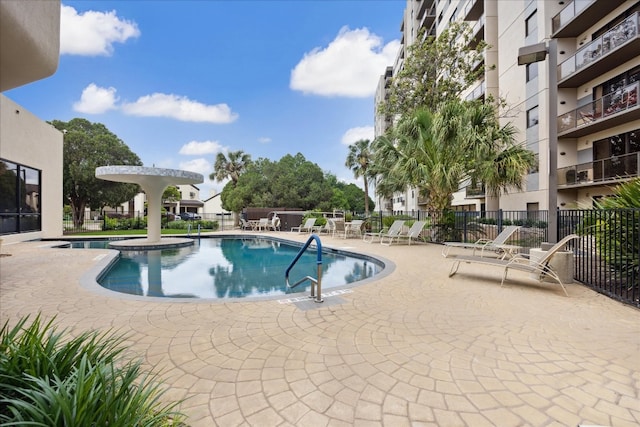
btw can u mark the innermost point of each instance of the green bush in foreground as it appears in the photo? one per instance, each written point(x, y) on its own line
point(50, 379)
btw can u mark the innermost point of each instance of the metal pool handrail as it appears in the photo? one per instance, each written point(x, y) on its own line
point(316, 284)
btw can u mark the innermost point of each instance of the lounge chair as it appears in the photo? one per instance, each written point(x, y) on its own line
point(413, 233)
point(354, 228)
point(487, 246)
point(542, 267)
point(245, 225)
point(308, 226)
point(338, 228)
point(392, 231)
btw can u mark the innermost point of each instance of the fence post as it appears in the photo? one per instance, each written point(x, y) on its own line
point(499, 221)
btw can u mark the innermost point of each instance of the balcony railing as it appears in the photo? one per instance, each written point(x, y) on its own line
point(610, 169)
point(569, 12)
point(475, 191)
point(601, 47)
point(621, 100)
point(478, 92)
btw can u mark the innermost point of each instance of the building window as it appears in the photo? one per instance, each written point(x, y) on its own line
point(535, 168)
point(532, 117)
point(19, 198)
point(531, 24)
point(616, 156)
point(532, 71)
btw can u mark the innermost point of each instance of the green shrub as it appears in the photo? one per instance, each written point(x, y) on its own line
point(48, 378)
point(183, 225)
point(321, 221)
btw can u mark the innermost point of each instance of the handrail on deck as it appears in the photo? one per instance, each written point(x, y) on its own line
point(316, 284)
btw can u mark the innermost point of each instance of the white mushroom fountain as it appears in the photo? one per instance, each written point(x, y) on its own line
point(153, 182)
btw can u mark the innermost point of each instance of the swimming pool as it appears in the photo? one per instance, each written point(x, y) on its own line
point(240, 267)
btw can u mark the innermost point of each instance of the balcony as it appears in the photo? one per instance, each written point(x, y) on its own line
point(473, 10)
point(475, 192)
point(477, 92)
point(610, 110)
point(427, 14)
point(616, 46)
point(612, 169)
point(579, 15)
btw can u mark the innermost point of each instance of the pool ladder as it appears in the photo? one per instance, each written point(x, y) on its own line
point(316, 284)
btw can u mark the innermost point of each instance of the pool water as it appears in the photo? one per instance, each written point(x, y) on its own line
point(218, 268)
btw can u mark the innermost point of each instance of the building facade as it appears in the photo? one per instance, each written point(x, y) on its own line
point(581, 104)
point(30, 149)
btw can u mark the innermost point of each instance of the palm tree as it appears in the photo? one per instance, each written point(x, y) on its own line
point(436, 152)
point(231, 167)
point(359, 161)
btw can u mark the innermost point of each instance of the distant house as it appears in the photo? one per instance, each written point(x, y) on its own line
point(213, 211)
point(189, 201)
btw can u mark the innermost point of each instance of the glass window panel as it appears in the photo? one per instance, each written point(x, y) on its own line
point(31, 197)
point(8, 187)
point(532, 117)
point(531, 23)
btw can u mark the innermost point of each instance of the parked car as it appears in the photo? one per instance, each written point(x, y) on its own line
point(188, 216)
point(172, 217)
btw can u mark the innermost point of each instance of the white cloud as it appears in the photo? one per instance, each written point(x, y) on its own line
point(349, 66)
point(93, 33)
point(96, 100)
point(179, 108)
point(355, 134)
point(199, 165)
point(264, 140)
point(198, 148)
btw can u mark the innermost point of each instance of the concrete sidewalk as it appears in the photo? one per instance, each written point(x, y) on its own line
point(414, 348)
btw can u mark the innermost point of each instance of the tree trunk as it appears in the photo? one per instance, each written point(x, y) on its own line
point(366, 197)
point(77, 207)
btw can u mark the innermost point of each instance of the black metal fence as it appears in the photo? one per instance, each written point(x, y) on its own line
point(111, 220)
point(607, 257)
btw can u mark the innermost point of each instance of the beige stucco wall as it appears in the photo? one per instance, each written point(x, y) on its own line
point(29, 41)
point(27, 140)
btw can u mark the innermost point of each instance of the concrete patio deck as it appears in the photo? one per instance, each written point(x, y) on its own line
point(414, 348)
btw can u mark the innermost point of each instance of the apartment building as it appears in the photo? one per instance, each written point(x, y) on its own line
point(30, 149)
point(577, 108)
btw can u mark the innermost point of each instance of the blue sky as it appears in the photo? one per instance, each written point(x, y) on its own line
point(180, 81)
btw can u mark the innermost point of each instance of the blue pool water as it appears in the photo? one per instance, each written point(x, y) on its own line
point(217, 268)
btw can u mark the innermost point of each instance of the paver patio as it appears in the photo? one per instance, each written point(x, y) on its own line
point(414, 348)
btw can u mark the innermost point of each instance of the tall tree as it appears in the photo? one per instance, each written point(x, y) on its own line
point(359, 161)
point(231, 167)
point(436, 152)
point(292, 182)
point(87, 146)
point(436, 70)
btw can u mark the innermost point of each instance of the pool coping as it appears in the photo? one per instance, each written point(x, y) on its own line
point(89, 280)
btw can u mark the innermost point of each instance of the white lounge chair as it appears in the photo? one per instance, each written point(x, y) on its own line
point(308, 226)
point(354, 228)
point(542, 267)
point(245, 225)
point(337, 228)
point(392, 231)
point(487, 246)
point(413, 233)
